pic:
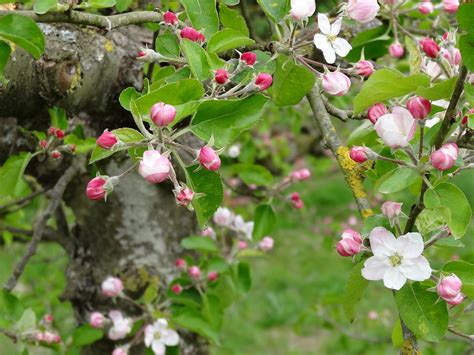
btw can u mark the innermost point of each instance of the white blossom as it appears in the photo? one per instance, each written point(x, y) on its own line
point(328, 42)
point(158, 336)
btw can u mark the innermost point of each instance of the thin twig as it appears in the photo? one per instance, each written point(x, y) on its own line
point(23, 201)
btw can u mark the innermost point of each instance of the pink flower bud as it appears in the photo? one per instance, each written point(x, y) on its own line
point(453, 57)
point(336, 83)
point(52, 131)
point(185, 196)
point(141, 54)
point(358, 154)
point(154, 167)
point(221, 76)
point(72, 148)
point(56, 154)
point(180, 264)
point(49, 338)
point(296, 200)
point(300, 175)
point(192, 34)
point(107, 140)
point(48, 319)
point(119, 351)
point(96, 320)
point(376, 111)
point(350, 244)
point(43, 144)
point(177, 289)
point(59, 134)
point(419, 107)
point(449, 289)
point(426, 7)
point(162, 114)
point(445, 36)
point(391, 209)
point(39, 336)
point(249, 58)
point(302, 9)
point(445, 157)
point(364, 68)
point(112, 287)
point(430, 47)
point(362, 10)
point(208, 232)
point(223, 217)
point(194, 272)
point(95, 188)
point(212, 276)
point(396, 50)
point(263, 81)
point(266, 244)
point(170, 18)
point(242, 244)
point(209, 158)
point(450, 6)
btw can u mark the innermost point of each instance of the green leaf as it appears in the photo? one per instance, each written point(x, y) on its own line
point(422, 313)
point(123, 5)
point(385, 84)
point(466, 46)
point(126, 135)
point(212, 310)
point(197, 59)
point(209, 184)
point(5, 51)
point(465, 16)
point(244, 277)
point(359, 135)
point(442, 90)
point(414, 56)
point(371, 35)
point(465, 271)
point(398, 179)
point(11, 174)
point(127, 96)
point(291, 81)
point(232, 19)
point(226, 120)
point(58, 118)
point(167, 44)
point(99, 4)
point(277, 10)
point(27, 321)
point(43, 6)
point(24, 32)
point(265, 220)
point(355, 289)
point(397, 334)
point(194, 321)
point(227, 39)
point(430, 220)
point(85, 335)
point(199, 243)
point(10, 308)
point(253, 174)
point(203, 15)
point(450, 196)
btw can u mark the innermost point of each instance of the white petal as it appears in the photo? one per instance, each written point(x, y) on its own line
point(170, 337)
point(160, 324)
point(329, 55)
point(116, 316)
point(336, 26)
point(394, 279)
point(382, 242)
point(158, 347)
point(149, 334)
point(374, 268)
point(410, 245)
point(321, 42)
point(342, 47)
point(323, 24)
point(417, 269)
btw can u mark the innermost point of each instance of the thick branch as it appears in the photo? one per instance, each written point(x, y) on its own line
point(40, 225)
point(83, 18)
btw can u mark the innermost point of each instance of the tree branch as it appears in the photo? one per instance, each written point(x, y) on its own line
point(343, 115)
point(23, 201)
point(40, 225)
point(83, 18)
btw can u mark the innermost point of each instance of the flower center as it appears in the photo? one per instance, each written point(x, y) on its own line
point(332, 38)
point(395, 259)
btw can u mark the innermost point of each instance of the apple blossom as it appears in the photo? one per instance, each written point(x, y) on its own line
point(192, 34)
point(430, 47)
point(107, 140)
point(180, 263)
point(47, 319)
point(120, 326)
point(431, 68)
point(48, 337)
point(426, 7)
point(445, 157)
point(158, 336)
point(56, 154)
point(212, 276)
point(391, 209)
point(450, 6)
point(96, 320)
point(362, 10)
point(336, 83)
point(396, 50)
point(419, 107)
point(177, 289)
point(302, 9)
point(52, 131)
point(184, 196)
point(248, 58)
point(396, 260)
point(246, 228)
point(296, 200)
point(43, 143)
point(234, 151)
point(449, 289)
point(358, 154)
point(209, 158)
point(162, 114)
point(112, 287)
point(223, 217)
point(350, 244)
point(328, 42)
point(59, 133)
point(208, 232)
point(263, 81)
point(266, 244)
point(119, 351)
point(453, 57)
point(376, 111)
point(242, 244)
point(364, 68)
point(300, 175)
point(154, 167)
point(96, 188)
point(221, 76)
point(170, 18)
point(397, 128)
point(194, 272)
